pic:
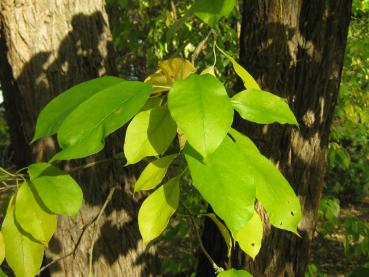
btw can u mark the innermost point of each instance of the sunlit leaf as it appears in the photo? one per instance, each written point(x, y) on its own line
point(149, 134)
point(263, 107)
point(245, 76)
point(32, 217)
point(83, 132)
point(2, 248)
point(225, 182)
point(210, 11)
point(58, 191)
point(23, 255)
point(55, 112)
point(154, 173)
point(224, 231)
point(250, 236)
point(170, 71)
point(272, 190)
point(157, 209)
point(234, 273)
point(203, 111)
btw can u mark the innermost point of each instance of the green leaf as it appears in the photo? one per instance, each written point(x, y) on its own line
point(224, 231)
point(83, 132)
point(250, 236)
point(225, 182)
point(2, 274)
point(58, 191)
point(154, 173)
point(262, 107)
point(55, 112)
point(245, 76)
point(234, 273)
point(149, 134)
point(23, 255)
point(203, 111)
point(157, 209)
point(32, 217)
point(240, 138)
point(210, 11)
point(2, 248)
point(272, 190)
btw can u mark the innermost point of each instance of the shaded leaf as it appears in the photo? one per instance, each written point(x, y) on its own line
point(33, 218)
point(154, 173)
point(55, 112)
point(250, 236)
point(225, 182)
point(203, 111)
point(83, 132)
point(23, 255)
point(210, 11)
point(262, 107)
point(157, 209)
point(58, 191)
point(150, 133)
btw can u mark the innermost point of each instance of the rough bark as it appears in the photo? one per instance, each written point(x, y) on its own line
point(48, 46)
point(294, 48)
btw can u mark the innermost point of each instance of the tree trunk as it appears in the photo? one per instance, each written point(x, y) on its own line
point(294, 48)
point(48, 46)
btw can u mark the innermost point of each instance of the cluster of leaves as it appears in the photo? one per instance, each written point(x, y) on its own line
point(174, 101)
point(225, 166)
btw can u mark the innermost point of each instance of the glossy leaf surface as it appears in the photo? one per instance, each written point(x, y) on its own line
point(83, 132)
point(23, 254)
point(149, 134)
point(210, 11)
point(157, 209)
point(262, 107)
point(203, 111)
point(154, 173)
point(225, 182)
point(58, 191)
point(31, 217)
point(55, 112)
point(250, 236)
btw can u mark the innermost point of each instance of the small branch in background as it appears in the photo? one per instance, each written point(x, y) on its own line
point(85, 228)
point(95, 223)
point(117, 156)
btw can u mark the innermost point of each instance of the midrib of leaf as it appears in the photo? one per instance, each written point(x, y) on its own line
point(102, 120)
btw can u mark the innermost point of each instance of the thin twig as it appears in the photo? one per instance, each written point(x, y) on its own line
point(87, 226)
point(202, 247)
point(95, 163)
point(96, 221)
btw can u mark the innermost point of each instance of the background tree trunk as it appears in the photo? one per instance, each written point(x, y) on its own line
point(48, 46)
point(294, 48)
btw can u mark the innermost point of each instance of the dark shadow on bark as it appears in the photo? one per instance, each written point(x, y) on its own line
point(302, 64)
point(78, 59)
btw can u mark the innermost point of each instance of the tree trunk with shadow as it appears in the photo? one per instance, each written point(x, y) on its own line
point(47, 47)
point(294, 48)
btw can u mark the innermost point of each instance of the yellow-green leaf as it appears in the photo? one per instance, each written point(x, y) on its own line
point(23, 254)
point(170, 70)
point(32, 216)
point(149, 134)
point(250, 236)
point(245, 76)
point(234, 273)
point(157, 209)
point(2, 248)
point(154, 173)
point(224, 231)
